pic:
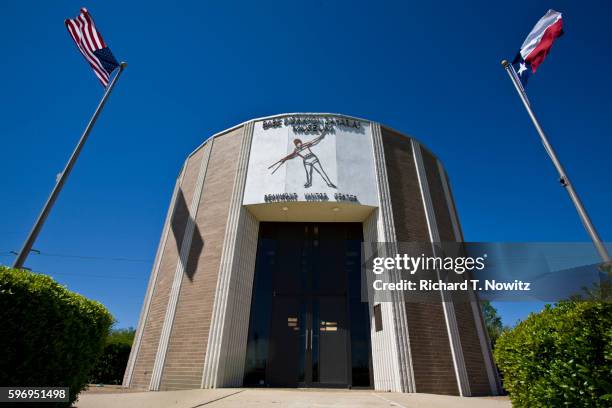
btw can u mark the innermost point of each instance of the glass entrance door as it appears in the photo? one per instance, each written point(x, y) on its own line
point(309, 343)
point(332, 346)
point(304, 307)
point(286, 350)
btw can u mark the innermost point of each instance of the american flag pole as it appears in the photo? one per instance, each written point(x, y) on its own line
point(27, 245)
point(563, 178)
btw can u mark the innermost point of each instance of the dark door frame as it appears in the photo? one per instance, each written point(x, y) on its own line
point(309, 294)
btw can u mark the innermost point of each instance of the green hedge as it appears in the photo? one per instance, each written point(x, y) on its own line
point(49, 336)
point(561, 356)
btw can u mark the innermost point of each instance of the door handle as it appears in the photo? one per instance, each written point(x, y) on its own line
point(306, 341)
point(311, 339)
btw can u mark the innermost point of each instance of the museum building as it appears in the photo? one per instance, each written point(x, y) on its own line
point(257, 280)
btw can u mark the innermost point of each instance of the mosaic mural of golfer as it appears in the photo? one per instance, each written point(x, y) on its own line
point(311, 161)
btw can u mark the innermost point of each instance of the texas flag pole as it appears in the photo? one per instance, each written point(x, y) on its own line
point(533, 52)
point(90, 43)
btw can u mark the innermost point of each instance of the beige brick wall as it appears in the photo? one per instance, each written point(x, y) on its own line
point(431, 354)
point(145, 358)
point(189, 337)
point(470, 344)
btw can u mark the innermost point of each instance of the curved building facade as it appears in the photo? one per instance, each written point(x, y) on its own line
point(257, 280)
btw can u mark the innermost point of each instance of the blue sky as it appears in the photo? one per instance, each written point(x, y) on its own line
point(428, 69)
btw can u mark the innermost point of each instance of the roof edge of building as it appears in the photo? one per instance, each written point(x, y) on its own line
point(280, 115)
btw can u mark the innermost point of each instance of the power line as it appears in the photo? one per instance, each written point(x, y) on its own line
point(83, 257)
point(102, 258)
point(85, 275)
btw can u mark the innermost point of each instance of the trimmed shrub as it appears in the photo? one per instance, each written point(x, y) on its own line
point(49, 336)
point(561, 356)
point(125, 336)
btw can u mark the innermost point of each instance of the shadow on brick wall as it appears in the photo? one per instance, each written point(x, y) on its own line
point(180, 219)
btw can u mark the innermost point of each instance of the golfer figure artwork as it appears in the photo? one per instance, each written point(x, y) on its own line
point(311, 161)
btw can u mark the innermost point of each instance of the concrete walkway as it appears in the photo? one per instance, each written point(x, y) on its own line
point(294, 398)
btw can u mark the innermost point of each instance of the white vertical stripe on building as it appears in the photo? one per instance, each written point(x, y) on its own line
point(144, 313)
point(222, 326)
point(483, 336)
point(370, 243)
point(162, 348)
point(386, 350)
point(448, 307)
point(235, 336)
point(396, 352)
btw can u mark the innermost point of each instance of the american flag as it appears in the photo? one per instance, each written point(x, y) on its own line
point(89, 41)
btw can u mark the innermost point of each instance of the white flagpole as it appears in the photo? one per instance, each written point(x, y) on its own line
point(563, 179)
point(27, 245)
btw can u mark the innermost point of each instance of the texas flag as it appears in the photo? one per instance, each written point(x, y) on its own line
point(538, 43)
